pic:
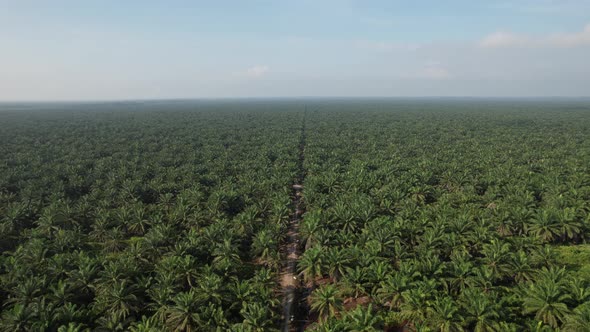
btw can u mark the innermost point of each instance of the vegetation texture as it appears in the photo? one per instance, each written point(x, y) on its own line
point(419, 215)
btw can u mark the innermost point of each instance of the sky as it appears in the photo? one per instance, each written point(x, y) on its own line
point(113, 50)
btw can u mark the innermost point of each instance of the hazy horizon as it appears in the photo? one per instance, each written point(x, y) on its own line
point(135, 51)
point(310, 99)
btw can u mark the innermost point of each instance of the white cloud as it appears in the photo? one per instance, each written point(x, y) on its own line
point(502, 39)
point(544, 7)
point(507, 39)
point(434, 71)
point(257, 71)
point(378, 22)
point(571, 39)
point(382, 46)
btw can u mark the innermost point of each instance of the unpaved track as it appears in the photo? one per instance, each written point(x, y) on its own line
point(290, 283)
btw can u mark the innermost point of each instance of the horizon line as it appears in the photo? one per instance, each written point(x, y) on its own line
point(181, 99)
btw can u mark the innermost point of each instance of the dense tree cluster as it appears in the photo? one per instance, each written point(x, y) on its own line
point(446, 217)
point(429, 216)
point(144, 220)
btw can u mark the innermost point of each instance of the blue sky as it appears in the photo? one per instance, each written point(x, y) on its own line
point(72, 50)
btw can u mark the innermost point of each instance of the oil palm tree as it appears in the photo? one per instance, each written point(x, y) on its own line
point(337, 261)
point(414, 304)
point(547, 300)
point(520, 266)
point(579, 291)
point(257, 318)
point(444, 315)
point(225, 256)
point(355, 281)
point(496, 255)
point(17, 318)
point(578, 320)
point(312, 264)
point(480, 311)
point(117, 300)
point(210, 287)
point(364, 319)
point(461, 270)
point(146, 324)
point(310, 226)
point(265, 247)
point(326, 301)
point(544, 225)
point(568, 224)
point(390, 290)
point(183, 315)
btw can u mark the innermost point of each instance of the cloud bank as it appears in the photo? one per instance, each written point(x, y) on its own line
point(434, 71)
point(509, 39)
point(257, 71)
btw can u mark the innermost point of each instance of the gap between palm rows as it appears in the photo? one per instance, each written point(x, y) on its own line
point(295, 309)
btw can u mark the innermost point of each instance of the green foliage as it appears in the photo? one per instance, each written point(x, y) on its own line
point(114, 218)
point(576, 258)
point(429, 216)
point(452, 219)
